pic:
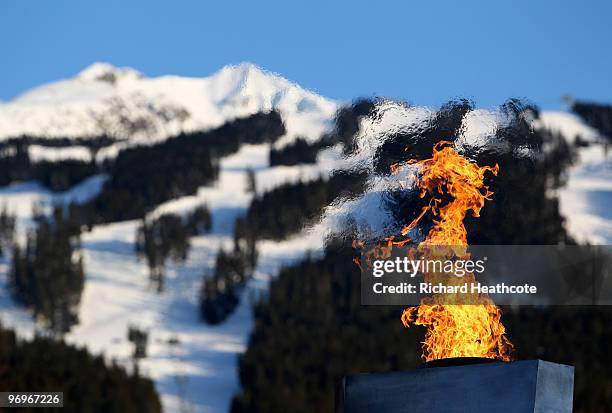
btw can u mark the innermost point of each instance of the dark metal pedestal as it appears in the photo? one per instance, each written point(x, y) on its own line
point(519, 387)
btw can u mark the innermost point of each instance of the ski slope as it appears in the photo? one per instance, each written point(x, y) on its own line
point(193, 364)
point(585, 199)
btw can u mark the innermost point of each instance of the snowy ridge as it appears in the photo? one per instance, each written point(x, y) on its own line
point(104, 100)
point(569, 125)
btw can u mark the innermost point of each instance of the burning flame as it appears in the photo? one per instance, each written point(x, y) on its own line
point(456, 187)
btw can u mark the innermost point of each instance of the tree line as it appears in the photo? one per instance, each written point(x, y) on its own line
point(88, 382)
point(140, 177)
point(597, 115)
point(286, 209)
point(16, 165)
point(298, 152)
point(145, 176)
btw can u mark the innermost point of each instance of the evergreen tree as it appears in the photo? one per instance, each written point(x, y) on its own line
point(245, 243)
point(199, 221)
point(7, 230)
point(48, 276)
point(220, 294)
point(251, 181)
point(139, 338)
point(168, 237)
point(163, 238)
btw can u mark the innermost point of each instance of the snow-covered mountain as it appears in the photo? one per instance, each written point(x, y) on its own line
point(121, 103)
point(199, 374)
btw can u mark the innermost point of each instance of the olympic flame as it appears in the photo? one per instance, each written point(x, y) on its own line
point(455, 187)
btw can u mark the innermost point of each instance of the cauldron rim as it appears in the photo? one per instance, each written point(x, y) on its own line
point(456, 361)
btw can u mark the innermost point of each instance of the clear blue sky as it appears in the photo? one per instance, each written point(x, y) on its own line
point(421, 51)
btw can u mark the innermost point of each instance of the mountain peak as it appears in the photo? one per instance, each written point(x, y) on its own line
point(241, 73)
point(247, 67)
point(244, 68)
point(120, 102)
point(106, 72)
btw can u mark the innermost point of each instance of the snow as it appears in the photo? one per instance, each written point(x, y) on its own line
point(199, 373)
point(12, 314)
point(122, 103)
point(586, 198)
point(20, 198)
point(44, 153)
point(202, 370)
point(101, 71)
point(569, 125)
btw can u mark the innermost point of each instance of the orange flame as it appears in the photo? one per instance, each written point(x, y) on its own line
point(453, 330)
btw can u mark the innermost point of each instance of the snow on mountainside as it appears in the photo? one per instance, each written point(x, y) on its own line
point(124, 104)
point(585, 199)
point(569, 125)
point(199, 371)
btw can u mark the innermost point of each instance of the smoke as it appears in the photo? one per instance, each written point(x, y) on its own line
point(395, 132)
